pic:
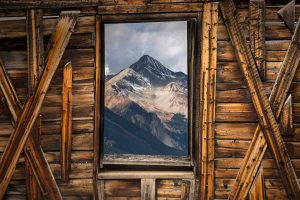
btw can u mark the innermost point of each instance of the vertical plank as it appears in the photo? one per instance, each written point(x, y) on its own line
point(32, 107)
point(97, 111)
point(257, 35)
point(100, 190)
point(147, 189)
point(257, 190)
point(35, 59)
point(66, 123)
point(208, 66)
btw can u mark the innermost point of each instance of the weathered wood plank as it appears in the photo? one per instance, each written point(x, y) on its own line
point(66, 132)
point(147, 189)
point(286, 117)
point(31, 109)
point(208, 68)
point(35, 59)
point(257, 190)
point(151, 8)
point(287, 14)
point(262, 106)
point(98, 151)
point(18, 4)
point(257, 34)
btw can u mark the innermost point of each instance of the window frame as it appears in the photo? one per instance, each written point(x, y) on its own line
point(193, 59)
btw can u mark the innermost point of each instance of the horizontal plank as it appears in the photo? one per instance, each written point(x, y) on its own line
point(274, 31)
point(145, 174)
point(151, 8)
point(125, 189)
point(17, 28)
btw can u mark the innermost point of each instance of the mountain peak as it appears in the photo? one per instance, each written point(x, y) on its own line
point(152, 69)
point(146, 57)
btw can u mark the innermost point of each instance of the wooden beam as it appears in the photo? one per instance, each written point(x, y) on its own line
point(30, 4)
point(257, 190)
point(146, 174)
point(98, 155)
point(277, 98)
point(148, 189)
point(208, 70)
point(31, 109)
point(257, 34)
point(259, 99)
point(286, 117)
point(151, 8)
point(287, 14)
point(35, 46)
point(66, 132)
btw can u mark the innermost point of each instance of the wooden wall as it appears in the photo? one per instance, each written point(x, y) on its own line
point(236, 118)
point(80, 52)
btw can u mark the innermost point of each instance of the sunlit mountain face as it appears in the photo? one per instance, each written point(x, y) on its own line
point(146, 108)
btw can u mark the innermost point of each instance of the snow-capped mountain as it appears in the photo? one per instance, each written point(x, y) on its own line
point(152, 97)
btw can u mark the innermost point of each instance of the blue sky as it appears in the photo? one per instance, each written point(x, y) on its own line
point(125, 43)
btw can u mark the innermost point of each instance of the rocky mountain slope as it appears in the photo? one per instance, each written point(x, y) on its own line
point(153, 98)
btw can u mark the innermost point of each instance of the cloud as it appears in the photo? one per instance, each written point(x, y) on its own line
point(125, 43)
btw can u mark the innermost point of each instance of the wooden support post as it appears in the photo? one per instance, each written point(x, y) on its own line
point(147, 189)
point(97, 110)
point(262, 106)
point(257, 190)
point(208, 70)
point(287, 14)
point(35, 52)
point(257, 35)
point(33, 105)
point(66, 123)
point(277, 98)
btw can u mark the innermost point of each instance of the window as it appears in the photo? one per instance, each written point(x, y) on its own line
point(146, 100)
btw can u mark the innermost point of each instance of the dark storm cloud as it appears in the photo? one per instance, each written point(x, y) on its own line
point(165, 41)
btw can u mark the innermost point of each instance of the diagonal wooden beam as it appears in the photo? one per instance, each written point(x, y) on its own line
point(257, 34)
point(35, 47)
point(257, 191)
point(262, 106)
point(33, 105)
point(277, 99)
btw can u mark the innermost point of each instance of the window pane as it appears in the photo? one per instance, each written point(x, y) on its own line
point(146, 95)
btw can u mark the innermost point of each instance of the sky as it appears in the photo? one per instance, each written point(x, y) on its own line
point(125, 43)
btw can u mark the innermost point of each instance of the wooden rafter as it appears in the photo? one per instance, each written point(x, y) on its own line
point(66, 127)
point(261, 104)
point(35, 46)
point(277, 98)
point(208, 67)
point(33, 105)
point(257, 34)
